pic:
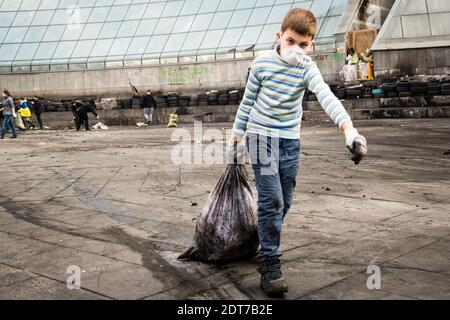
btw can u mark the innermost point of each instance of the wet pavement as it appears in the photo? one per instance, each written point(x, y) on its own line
point(115, 205)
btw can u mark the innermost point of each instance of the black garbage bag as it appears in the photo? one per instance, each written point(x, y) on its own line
point(227, 227)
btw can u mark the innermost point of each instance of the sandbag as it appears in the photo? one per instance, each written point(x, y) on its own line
point(227, 226)
point(172, 121)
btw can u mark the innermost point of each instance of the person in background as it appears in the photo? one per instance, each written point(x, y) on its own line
point(9, 112)
point(37, 109)
point(81, 111)
point(148, 103)
point(1, 116)
point(350, 54)
point(25, 113)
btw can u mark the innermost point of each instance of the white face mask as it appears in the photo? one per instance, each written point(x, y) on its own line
point(292, 54)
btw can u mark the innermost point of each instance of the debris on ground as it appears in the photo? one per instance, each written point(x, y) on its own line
point(100, 126)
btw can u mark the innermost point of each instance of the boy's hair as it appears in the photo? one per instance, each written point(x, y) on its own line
point(5, 91)
point(301, 21)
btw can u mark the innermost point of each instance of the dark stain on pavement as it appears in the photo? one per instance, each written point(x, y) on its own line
point(26, 214)
point(164, 271)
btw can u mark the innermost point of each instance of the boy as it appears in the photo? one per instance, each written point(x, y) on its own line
point(271, 114)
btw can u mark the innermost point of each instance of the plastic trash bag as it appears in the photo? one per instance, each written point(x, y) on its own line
point(227, 227)
point(19, 121)
point(141, 125)
point(100, 126)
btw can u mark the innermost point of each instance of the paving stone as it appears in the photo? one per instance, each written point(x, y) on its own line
point(10, 275)
point(354, 287)
point(424, 259)
point(42, 288)
point(375, 248)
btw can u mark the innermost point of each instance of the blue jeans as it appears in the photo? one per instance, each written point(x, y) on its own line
point(8, 121)
point(275, 163)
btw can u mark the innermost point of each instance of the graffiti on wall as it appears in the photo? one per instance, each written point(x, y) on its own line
point(185, 74)
point(327, 63)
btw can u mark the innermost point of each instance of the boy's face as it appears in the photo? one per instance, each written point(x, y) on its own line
point(292, 38)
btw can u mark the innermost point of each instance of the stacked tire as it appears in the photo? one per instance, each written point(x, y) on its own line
point(126, 103)
point(354, 93)
point(161, 101)
point(172, 100)
point(368, 87)
point(378, 93)
point(223, 97)
point(434, 89)
point(136, 102)
point(213, 97)
point(203, 99)
point(445, 87)
point(404, 88)
point(341, 93)
point(241, 93)
point(183, 101)
point(193, 102)
point(233, 97)
point(419, 88)
point(390, 89)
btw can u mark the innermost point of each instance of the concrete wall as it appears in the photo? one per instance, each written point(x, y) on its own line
point(114, 82)
point(330, 64)
point(432, 61)
point(183, 78)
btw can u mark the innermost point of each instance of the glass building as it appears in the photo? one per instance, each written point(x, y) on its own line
point(416, 24)
point(40, 35)
point(414, 40)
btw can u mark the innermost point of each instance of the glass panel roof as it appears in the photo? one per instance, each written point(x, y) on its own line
point(415, 24)
point(79, 30)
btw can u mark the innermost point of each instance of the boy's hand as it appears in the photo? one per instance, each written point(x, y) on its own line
point(357, 144)
point(235, 150)
point(235, 138)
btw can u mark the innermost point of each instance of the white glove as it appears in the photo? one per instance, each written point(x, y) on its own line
point(357, 145)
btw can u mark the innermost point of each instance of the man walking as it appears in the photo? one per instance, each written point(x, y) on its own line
point(148, 103)
point(37, 109)
point(9, 112)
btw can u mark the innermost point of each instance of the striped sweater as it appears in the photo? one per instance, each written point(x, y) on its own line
point(272, 102)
